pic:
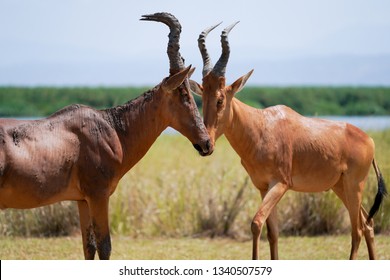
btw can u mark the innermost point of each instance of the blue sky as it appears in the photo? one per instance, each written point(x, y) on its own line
point(86, 42)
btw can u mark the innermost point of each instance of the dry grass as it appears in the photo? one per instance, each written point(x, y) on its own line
point(173, 192)
point(290, 248)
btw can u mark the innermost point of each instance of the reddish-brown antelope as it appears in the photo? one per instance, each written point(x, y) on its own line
point(282, 150)
point(80, 153)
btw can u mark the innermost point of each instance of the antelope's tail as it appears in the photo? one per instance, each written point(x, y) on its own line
point(382, 192)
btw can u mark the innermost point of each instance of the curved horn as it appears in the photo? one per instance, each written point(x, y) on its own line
point(176, 61)
point(220, 66)
point(207, 65)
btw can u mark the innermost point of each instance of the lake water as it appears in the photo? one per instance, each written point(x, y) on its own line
point(365, 123)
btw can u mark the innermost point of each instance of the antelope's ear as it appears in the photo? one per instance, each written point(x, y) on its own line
point(240, 83)
point(176, 80)
point(192, 70)
point(196, 88)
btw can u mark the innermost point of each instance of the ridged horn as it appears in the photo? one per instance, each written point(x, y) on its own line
point(220, 67)
point(176, 62)
point(207, 65)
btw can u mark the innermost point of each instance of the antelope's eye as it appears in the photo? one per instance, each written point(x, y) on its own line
point(219, 102)
point(182, 91)
point(184, 95)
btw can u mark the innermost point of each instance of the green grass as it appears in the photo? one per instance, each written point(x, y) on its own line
point(173, 192)
point(173, 200)
point(290, 248)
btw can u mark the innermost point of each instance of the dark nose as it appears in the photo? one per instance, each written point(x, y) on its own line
point(198, 148)
point(204, 151)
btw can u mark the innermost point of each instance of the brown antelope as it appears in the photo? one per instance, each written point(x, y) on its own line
point(282, 150)
point(80, 153)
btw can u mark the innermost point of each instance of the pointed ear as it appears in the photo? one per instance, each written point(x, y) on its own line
point(196, 88)
point(240, 83)
point(176, 80)
point(192, 70)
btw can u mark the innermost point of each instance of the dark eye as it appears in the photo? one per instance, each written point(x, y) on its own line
point(220, 102)
point(182, 90)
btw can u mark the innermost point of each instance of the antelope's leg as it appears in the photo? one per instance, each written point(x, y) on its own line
point(353, 199)
point(356, 231)
point(272, 231)
point(99, 215)
point(368, 234)
point(89, 243)
point(351, 195)
point(270, 200)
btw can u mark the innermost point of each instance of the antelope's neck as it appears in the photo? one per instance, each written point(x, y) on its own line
point(138, 123)
point(244, 128)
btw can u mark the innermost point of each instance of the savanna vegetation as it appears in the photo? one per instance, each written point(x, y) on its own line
point(126, 248)
point(173, 194)
point(43, 101)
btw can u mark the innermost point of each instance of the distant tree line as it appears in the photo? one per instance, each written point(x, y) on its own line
point(43, 101)
point(359, 101)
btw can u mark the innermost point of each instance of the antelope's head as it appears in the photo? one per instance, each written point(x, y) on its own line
point(180, 110)
point(216, 96)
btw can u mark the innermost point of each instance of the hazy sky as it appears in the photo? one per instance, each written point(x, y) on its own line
point(96, 42)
